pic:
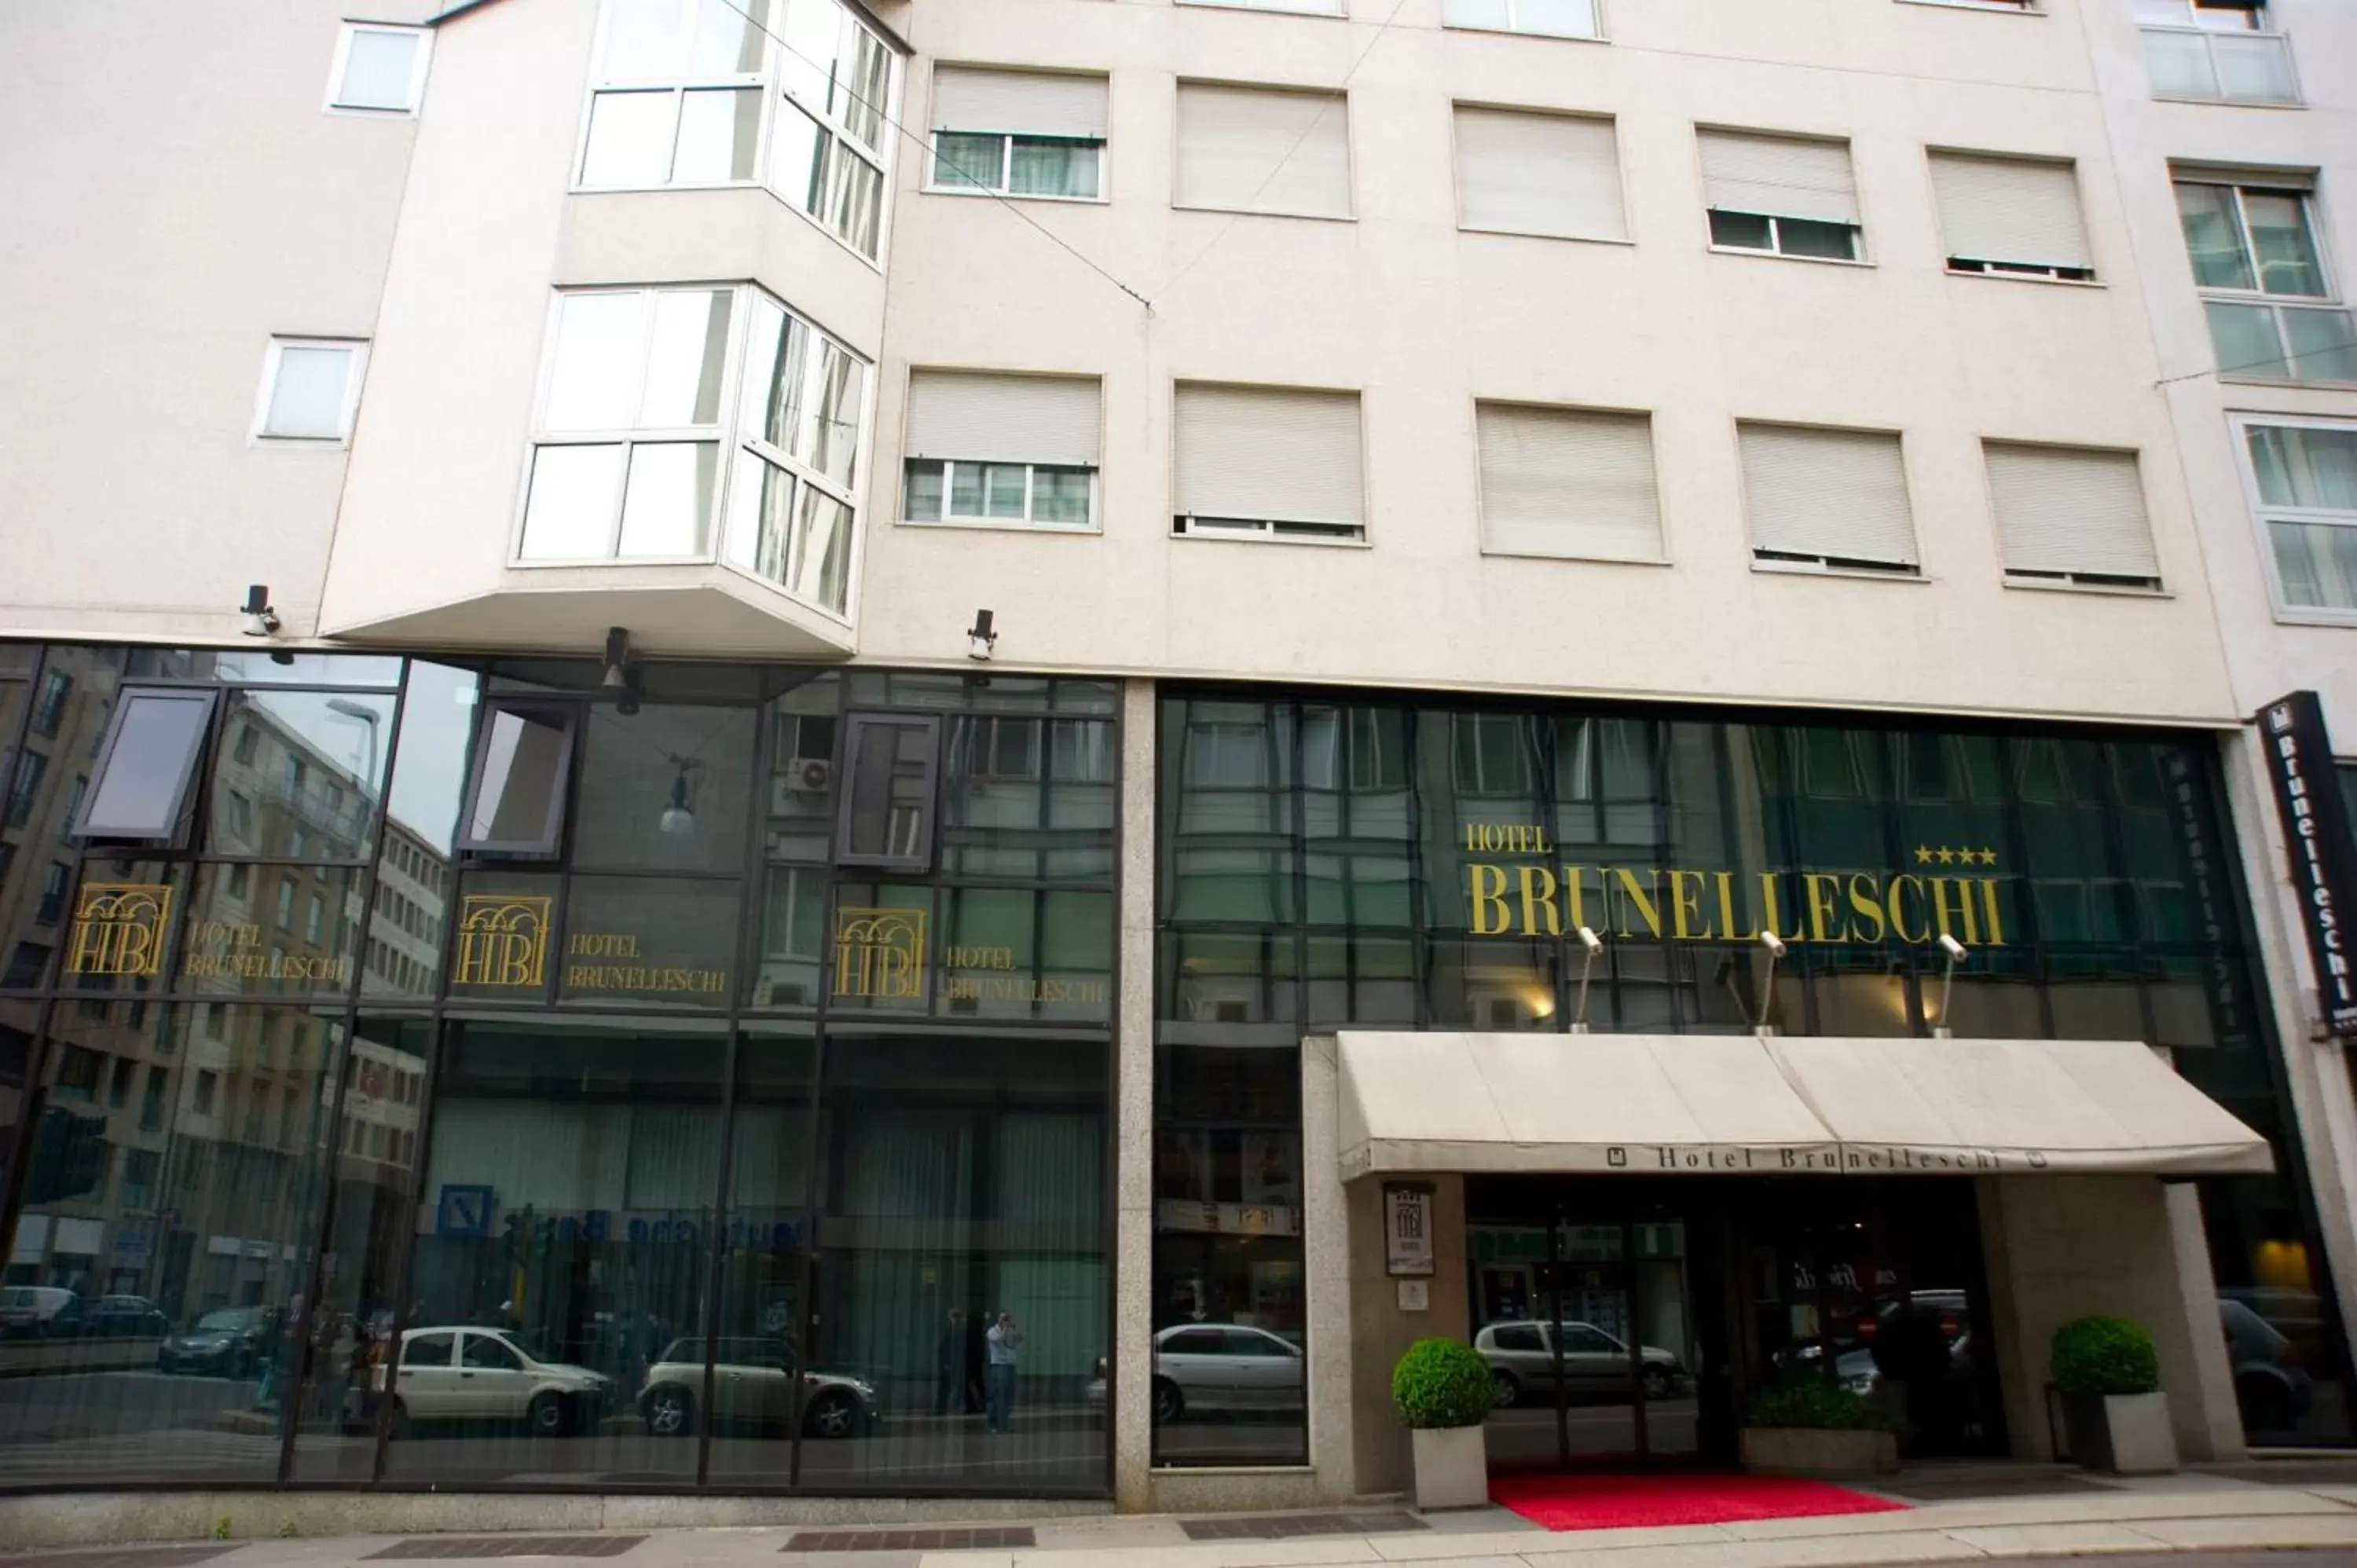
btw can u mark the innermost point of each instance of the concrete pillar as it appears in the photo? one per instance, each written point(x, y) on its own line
point(2060, 1247)
point(1381, 1329)
point(1132, 1358)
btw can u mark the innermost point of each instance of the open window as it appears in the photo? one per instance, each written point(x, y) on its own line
point(890, 771)
point(516, 794)
point(147, 765)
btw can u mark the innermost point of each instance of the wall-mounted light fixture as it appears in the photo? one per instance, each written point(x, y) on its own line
point(980, 639)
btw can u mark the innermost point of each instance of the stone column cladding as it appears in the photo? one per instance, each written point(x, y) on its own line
point(1133, 1353)
point(2060, 1247)
point(1381, 1445)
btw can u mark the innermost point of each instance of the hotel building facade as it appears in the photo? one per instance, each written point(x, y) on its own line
point(776, 685)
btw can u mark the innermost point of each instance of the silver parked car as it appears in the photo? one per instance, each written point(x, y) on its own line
point(1595, 1365)
point(1223, 1368)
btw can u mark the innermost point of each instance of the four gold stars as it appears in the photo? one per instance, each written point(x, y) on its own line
point(1947, 855)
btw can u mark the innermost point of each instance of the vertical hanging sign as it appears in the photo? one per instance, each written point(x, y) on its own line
point(1407, 1229)
point(2317, 837)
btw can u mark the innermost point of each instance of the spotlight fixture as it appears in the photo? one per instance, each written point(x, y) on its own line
point(980, 639)
point(1775, 946)
point(1956, 953)
point(261, 620)
point(1594, 945)
point(618, 654)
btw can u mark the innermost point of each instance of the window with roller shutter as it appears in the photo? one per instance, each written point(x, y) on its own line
point(1007, 450)
point(1788, 196)
point(2070, 514)
point(1268, 463)
point(2018, 217)
point(1568, 482)
point(1825, 500)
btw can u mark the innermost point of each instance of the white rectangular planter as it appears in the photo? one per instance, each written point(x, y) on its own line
point(2127, 1434)
point(1806, 1451)
point(1452, 1467)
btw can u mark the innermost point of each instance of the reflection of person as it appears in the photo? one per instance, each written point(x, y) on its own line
point(952, 1369)
point(1005, 1348)
point(976, 1364)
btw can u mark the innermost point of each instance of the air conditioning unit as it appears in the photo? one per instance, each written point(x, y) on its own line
point(810, 775)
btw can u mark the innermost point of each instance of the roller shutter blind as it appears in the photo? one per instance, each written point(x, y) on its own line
point(1837, 495)
point(1538, 174)
point(1781, 176)
point(1002, 418)
point(2061, 510)
point(1568, 482)
point(2019, 211)
point(1255, 149)
point(1019, 102)
point(1266, 453)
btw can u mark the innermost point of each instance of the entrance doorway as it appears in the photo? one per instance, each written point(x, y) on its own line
point(1628, 1320)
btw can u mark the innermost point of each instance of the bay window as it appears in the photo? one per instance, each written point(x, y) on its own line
point(659, 401)
point(693, 92)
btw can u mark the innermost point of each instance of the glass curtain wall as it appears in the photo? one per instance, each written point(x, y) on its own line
point(1326, 863)
point(487, 1074)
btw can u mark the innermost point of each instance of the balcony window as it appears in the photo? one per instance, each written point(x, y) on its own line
point(2272, 304)
point(2216, 51)
point(640, 436)
point(2302, 479)
point(693, 92)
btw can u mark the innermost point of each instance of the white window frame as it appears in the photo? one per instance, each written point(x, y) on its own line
point(1775, 238)
point(2008, 8)
point(425, 36)
point(2275, 304)
point(1027, 523)
point(1602, 35)
point(933, 185)
point(1337, 10)
point(260, 435)
point(2191, 28)
point(1269, 530)
point(2262, 515)
point(733, 436)
point(836, 133)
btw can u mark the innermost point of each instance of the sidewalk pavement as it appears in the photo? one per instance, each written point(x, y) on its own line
point(1974, 1514)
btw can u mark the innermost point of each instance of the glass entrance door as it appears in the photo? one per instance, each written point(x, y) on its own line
point(1582, 1303)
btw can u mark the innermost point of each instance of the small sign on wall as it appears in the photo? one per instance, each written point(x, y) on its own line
point(1408, 1229)
point(1415, 1295)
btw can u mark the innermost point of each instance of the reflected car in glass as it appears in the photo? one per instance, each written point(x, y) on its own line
point(125, 1318)
point(228, 1342)
point(1221, 1368)
point(2271, 1384)
point(30, 1310)
point(752, 1385)
point(1595, 1364)
point(484, 1375)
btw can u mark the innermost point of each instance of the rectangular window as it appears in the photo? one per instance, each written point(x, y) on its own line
point(145, 765)
point(2016, 216)
point(2216, 51)
point(1302, 7)
point(379, 70)
point(25, 789)
point(1269, 463)
point(792, 499)
point(52, 907)
point(310, 388)
point(1556, 175)
point(74, 808)
point(1568, 482)
point(1261, 149)
point(1827, 499)
point(1016, 450)
point(1788, 194)
point(286, 913)
point(2301, 474)
point(2067, 514)
point(207, 1089)
point(50, 707)
point(1548, 18)
point(1018, 133)
point(887, 794)
point(694, 92)
point(2263, 279)
point(516, 796)
point(315, 920)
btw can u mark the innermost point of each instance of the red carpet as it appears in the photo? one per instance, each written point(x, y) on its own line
point(1610, 1502)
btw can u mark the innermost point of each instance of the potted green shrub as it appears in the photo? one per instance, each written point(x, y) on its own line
point(1810, 1425)
point(1442, 1390)
point(2113, 1415)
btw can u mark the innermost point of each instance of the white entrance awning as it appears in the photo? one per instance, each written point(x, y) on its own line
point(1735, 1104)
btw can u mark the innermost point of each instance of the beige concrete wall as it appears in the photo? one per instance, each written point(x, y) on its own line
point(175, 193)
point(1133, 1353)
point(2058, 1248)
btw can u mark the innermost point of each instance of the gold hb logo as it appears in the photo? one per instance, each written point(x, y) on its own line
point(119, 927)
point(879, 954)
point(502, 940)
